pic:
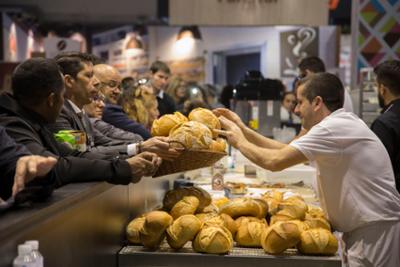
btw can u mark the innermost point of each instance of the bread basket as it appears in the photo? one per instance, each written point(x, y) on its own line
point(189, 159)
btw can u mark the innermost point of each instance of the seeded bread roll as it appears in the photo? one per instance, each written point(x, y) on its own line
point(281, 236)
point(249, 234)
point(182, 230)
point(318, 242)
point(188, 205)
point(213, 239)
point(153, 230)
point(133, 228)
point(245, 207)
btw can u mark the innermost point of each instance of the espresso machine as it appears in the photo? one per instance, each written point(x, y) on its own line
point(258, 102)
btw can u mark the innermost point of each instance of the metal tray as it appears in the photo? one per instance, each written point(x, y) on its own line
point(238, 257)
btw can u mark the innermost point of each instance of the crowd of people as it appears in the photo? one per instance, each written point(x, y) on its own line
point(358, 168)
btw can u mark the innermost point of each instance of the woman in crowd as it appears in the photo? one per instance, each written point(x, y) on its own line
point(141, 105)
point(177, 89)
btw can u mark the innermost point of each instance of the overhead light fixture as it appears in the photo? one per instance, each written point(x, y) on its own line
point(189, 32)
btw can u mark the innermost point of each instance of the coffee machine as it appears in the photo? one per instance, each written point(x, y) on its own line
point(258, 102)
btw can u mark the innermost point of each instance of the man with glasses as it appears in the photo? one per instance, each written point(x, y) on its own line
point(110, 85)
point(114, 114)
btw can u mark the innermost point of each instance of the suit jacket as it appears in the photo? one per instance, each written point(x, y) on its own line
point(114, 132)
point(30, 129)
point(115, 115)
point(95, 140)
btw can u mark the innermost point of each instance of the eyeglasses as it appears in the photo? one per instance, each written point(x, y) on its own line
point(111, 84)
point(98, 98)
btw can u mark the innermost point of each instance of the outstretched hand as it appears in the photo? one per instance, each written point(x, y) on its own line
point(160, 146)
point(231, 132)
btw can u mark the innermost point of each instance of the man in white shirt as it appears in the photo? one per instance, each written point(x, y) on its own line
point(355, 177)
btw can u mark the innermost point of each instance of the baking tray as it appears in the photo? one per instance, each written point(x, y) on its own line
point(238, 257)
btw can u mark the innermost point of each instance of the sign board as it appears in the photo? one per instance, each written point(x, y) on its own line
point(55, 45)
point(248, 12)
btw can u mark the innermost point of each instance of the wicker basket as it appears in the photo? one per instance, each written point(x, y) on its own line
point(189, 160)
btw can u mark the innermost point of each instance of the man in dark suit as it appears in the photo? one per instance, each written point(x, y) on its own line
point(160, 73)
point(80, 82)
point(38, 97)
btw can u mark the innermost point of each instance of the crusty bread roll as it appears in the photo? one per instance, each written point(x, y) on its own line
point(192, 135)
point(187, 205)
point(291, 209)
point(182, 230)
point(273, 199)
point(223, 220)
point(210, 209)
point(318, 242)
point(163, 125)
point(249, 234)
point(206, 117)
point(218, 145)
point(281, 236)
point(213, 239)
point(219, 202)
point(203, 217)
point(133, 229)
point(245, 207)
point(317, 222)
point(173, 196)
point(153, 230)
point(246, 219)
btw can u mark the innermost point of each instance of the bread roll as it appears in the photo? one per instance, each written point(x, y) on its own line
point(218, 145)
point(206, 117)
point(203, 217)
point(210, 209)
point(213, 239)
point(249, 234)
point(192, 135)
point(318, 242)
point(188, 205)
point(153, 230)
point(245, 207)
point(290, 209)
point(133, 229)
point(163, 125)
point(246, 219)
point(173, 196)
point(223, 220)
point(182, 230)
point(220, 201)
point(281, 236)
point(317, 222)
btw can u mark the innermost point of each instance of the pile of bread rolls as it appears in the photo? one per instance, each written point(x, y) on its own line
point(189, 214)
point(194, 132)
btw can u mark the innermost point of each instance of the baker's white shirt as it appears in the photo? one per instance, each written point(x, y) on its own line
point(355, 178)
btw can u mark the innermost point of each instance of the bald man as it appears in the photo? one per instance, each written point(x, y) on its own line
point(110, 85)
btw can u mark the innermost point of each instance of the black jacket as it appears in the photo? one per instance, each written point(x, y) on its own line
point(387, 128)
point(29, 129)
point(96, 141)
point(166, 104)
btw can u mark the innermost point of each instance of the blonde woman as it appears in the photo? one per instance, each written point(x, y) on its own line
point(177, 89)
point(141, 105)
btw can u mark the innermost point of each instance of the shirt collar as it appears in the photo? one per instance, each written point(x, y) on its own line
point(161, 94)
point(75, 107)
point(390, 105)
